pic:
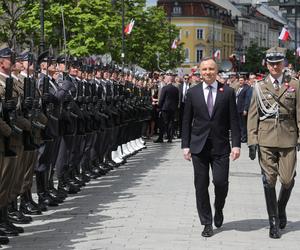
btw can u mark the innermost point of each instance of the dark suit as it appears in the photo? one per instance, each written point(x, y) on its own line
point(242, 105)
point(208, 140)
point(184, 86)
point(168, 104)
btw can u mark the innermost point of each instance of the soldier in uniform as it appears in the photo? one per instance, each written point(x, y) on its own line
point(15, 143)
point(273, 130)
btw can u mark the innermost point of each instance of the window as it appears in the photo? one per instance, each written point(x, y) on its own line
point(199, 54)
point(187, 33)
point(176, 10)
point(187, 55)
point(200, 34)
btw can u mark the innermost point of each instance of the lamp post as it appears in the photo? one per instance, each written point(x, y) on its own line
point(123, 35)
point(42, 20)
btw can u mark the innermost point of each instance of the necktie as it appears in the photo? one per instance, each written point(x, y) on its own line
point(276, 84)
point(210, 101)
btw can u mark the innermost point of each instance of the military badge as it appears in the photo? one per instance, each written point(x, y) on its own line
point(291, 89)
point(221, 89)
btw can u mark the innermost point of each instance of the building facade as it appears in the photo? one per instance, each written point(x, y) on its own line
point(205, 29)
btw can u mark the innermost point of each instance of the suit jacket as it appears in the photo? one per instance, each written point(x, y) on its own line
point(281, 132)
point(197, 125)
point(241, 98)
point(169, 98)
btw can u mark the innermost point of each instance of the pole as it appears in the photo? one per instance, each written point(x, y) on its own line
point(42, 15)
point(123, 35)
point(296, 34)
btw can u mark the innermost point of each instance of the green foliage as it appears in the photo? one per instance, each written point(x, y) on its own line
point(254, 59)
point(95, 27)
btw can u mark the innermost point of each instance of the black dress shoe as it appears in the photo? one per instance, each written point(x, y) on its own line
point(169, 141)
point(4, 240)
point(18, 217)
point(207, 231)
point(7, 230)
point(158, 141)
point(218, 218)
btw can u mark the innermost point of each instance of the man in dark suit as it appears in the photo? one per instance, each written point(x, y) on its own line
point(210, 112)
point(167, 104)
point(242, 106)
point(183, 88)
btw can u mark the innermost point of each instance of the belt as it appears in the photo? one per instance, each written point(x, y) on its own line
point(282, 117)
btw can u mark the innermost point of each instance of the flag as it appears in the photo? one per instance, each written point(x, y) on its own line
point(243, 59)
point(298, 51)
point(174, 44)
point(129, 27)
point(284, 35)
point(217, 54)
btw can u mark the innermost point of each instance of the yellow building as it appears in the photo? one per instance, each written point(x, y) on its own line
point(205, 29)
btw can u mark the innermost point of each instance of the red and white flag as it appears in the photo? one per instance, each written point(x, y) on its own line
point(217, 54)
point(298, 51)
point(129, 27)
point(174, 44)
point(284, 35)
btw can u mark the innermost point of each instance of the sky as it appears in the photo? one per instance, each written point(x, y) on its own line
point(151, 2)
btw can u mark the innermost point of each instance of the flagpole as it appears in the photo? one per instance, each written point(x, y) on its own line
point(42, 38)
point(123, 35)
point(296, 35)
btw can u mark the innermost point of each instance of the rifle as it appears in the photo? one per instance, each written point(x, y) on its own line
point(9, 111)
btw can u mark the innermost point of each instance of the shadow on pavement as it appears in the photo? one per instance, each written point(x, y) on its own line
point(82, 214)
point(255, 224)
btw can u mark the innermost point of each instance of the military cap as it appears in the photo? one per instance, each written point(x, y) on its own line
point(24, 56)
point(61, 59)
point(5, 51)
point(275, 54)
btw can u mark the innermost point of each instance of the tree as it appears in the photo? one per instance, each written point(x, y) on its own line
point(254, 58)
point(95, 27)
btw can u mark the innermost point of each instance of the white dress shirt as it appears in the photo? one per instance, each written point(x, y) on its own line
point(279, 79)
point(214, 90)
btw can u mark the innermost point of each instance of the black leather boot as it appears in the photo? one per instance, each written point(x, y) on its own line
point(44, 197)
point(59, 193)
point(283, 199)
point(65, 186)
point(3, 238)
point(272, 208)
point(6, 226)
point(15, 215)
point(28, 205)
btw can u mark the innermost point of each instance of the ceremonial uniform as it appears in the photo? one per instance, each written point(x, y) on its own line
point(273, 129)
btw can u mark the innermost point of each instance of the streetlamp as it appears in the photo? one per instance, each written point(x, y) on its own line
point(123, 28)
point(42, 15)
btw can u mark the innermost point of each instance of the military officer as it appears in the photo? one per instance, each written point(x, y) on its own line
point(273, 130)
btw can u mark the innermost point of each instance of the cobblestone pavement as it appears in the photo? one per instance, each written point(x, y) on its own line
point(149, 203)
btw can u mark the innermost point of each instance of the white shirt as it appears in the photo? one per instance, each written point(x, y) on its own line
point(279, 79)
point(184, 90)
point(214, 90)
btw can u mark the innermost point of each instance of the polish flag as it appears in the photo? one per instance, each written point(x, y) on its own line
point(217, 54)
point(298, 51)
point(129, 27)
point(284, 35)
point(174, 44)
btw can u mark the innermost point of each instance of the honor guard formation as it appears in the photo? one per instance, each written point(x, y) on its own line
point(62, 118)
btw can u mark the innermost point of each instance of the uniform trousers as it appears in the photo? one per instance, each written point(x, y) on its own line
point(279, 162)
point(7, 167)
